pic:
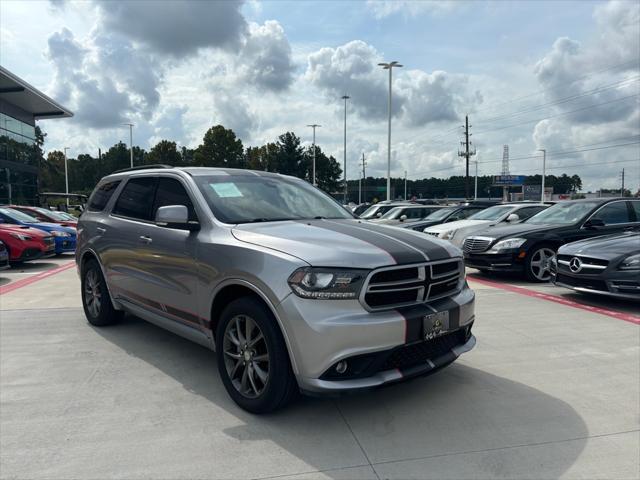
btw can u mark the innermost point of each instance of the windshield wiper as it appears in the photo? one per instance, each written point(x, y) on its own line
point(262, 219)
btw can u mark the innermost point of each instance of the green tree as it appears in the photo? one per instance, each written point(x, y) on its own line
point(289, 155)
point(328, 170)
point(220, 148)
point(52, 172)
point(164, 152)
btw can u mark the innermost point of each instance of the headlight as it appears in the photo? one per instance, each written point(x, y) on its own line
point(327, 283)
point(508, 244)
point(58, 233)
point(448, 235)
point(21, 236)
point(632, 262)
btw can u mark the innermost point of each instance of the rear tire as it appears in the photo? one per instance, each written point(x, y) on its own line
point(96, 300)
point(253, 361)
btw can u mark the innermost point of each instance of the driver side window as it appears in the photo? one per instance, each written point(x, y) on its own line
point(613, 213)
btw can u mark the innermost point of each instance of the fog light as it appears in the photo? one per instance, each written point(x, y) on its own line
point(341, 367)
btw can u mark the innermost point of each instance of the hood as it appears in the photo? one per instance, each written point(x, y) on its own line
point(52, 226)
point(9, 227)
point(345, 243)
point(503, 230)
point(445, 227)
point(606, 247)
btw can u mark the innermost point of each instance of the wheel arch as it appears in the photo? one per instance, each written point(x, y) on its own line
point(234, 289)
point(88, 255)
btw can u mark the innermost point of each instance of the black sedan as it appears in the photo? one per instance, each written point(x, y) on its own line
point(608, 265)
point(528, 247)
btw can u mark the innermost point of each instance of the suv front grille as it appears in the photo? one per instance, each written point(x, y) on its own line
point(394, 287)
point(476, 244)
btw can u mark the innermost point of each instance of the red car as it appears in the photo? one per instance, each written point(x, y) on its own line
point(45, 215)
point(26, 243)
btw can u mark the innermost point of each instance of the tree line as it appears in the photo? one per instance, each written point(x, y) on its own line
point(221, 148)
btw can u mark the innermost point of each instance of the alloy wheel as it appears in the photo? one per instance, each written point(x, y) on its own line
point(540, 263)
point(246, 356)
point(92, 294)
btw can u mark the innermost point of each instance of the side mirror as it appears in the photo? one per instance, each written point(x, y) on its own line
point(513, 217)
point(403, 218)
point(175, 216)
point(378, 215)
point(593, 223)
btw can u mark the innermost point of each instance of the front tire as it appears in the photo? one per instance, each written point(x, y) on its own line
point(538, 264)
point(96, 300)
point(253, 361)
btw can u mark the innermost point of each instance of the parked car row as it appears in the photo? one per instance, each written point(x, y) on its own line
point(31, 233)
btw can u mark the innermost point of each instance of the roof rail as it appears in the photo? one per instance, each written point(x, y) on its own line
point(143, 167)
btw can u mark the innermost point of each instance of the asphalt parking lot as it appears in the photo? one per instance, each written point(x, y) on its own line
point(552, 390)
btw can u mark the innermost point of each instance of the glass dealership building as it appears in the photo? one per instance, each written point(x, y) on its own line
point(20, 106)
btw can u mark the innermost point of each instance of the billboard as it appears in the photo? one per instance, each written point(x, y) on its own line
point(531, 192)
point(508, 180)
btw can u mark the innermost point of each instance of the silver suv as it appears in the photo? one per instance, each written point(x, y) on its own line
point(291, 291)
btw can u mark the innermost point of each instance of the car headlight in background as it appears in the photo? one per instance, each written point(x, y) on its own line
point(327, 283)
point(448, 235)
point(58, 233)
point(21, 236)
point(632, 262)
point(508, 244)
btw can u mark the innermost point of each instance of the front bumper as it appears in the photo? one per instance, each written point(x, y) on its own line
point(321, 333)
point(65, 244)
point(618, 284)
point(495, 262)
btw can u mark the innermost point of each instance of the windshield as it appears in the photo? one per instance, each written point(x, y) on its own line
point(563, 213)
point(50, 213)
point(491, 213)
point(393, 213)
point(441, 213)
point(371, 211)
point(19, 216)
point(252, 198)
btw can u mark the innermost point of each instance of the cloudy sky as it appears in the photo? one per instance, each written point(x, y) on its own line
point(564, 76)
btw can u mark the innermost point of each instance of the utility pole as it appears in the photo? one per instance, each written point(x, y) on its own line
point(544, 171)
point(314, 126)
point(130, 141)
point(345, 98)
point(66, 175)
point(622, 189)
point(467, 153)
point(364, 177)
point(475, 183)
point(405, 185)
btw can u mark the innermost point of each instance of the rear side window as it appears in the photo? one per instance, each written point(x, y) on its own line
point(101, 196)
point(136, 198)
point(613, 213)
point(172, 192)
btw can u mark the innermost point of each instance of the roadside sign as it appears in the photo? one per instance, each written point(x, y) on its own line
point(508, 180)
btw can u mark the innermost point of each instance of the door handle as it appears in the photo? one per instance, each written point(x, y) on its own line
point(145, 239)
point(101, 230)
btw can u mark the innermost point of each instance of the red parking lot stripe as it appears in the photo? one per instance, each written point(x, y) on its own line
point(627, 317)
point(35, 278)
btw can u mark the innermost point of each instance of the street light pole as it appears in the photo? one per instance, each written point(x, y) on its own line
point(389, 66)
point(345, 98)
point(405, 185)
point(314, 126)
point(544, 170)
point(66, 175)
point(130, 141)
point(475, 183)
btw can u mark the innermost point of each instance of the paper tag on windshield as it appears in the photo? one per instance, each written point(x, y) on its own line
point(226, 189)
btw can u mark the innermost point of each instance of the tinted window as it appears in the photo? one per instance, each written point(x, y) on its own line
point(616, 212)
point(171, 192)
point(525, 213)
point(636, 208)
point(136, 198)
point(102, 195)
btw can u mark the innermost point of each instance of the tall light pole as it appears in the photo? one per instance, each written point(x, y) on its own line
point(314, 126)
point(66, 175)
point(130, 140)
point(544, 170)
point(345, 98)
point(389, 66)
point(405, 185)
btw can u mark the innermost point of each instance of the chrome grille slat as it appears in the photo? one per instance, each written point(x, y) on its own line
point(424, 286)
point(476, 244)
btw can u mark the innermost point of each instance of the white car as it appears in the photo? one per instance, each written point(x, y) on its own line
point(456, 232)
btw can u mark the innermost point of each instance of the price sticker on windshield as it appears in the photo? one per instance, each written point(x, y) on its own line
point(226, 189)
